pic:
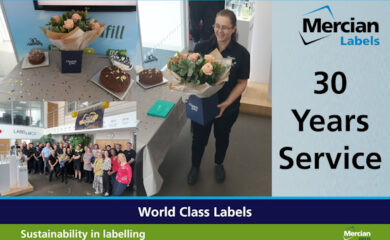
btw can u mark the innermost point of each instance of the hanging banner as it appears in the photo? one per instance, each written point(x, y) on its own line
point(90, 118)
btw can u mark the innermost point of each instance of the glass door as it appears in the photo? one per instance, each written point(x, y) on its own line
point(163, 30)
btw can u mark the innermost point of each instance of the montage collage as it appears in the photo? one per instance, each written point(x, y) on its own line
point(135, 98)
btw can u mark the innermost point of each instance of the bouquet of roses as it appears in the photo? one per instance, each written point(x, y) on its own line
point(73, 31)
point(198, 74)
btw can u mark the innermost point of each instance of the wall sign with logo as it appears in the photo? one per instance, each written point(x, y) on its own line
point(20, 132)
point(122, 27)
point(90, 119)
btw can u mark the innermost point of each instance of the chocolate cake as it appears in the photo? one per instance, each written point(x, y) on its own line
point(114, 79)
point(150, 76)
point(36, 57)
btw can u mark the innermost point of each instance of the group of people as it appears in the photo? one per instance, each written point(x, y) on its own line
point(110, 170)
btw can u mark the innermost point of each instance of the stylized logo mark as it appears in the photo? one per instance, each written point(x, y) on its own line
point(307, 43)
point(326, 7)
point(34, 42)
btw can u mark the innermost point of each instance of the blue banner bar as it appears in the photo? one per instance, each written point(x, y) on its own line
point(195, 211)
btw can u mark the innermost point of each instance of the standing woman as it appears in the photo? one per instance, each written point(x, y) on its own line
point(106, 166)
point(229, 96)
point(39, 160)
point(123, 177)
point(88, 165)
point(69, 153)
point(77, 163)
point(63, 162)
point(98, 180)
point(114, 166)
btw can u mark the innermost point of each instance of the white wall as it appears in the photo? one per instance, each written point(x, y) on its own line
point(161, 24)
point(261, 50)
point(20, 132)
point(110, 135)
point(4, 36)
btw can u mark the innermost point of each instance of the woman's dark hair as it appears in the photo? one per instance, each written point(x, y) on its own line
point(233, 20)
point(113, 152)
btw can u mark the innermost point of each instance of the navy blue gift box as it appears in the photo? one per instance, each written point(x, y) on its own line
point(202, 110)
point(71, 61)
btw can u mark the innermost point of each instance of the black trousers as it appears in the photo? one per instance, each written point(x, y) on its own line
point(38, 165)
point(106, 182)
point(88, 176)
point(54, 171)
point(64, 171)
point(31, 165)
point(200, 137)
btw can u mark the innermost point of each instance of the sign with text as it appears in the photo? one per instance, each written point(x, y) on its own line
point(90, 119)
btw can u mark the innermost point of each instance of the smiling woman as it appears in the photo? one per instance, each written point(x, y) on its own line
point(228, 97)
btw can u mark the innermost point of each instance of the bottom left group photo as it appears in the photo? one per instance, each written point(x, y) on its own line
point(67, 148)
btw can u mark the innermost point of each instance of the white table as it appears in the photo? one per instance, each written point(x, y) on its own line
point(4, 178)
point(22, 176)
point(13, 169)
point(155, 135)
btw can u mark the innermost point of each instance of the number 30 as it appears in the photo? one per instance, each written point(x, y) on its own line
point(335, 77)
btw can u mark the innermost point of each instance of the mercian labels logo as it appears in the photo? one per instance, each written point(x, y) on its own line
point(352, 234)
point(321, 24)
point(193, 107)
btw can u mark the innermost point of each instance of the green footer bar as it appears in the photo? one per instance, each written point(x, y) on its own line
point(196, 231)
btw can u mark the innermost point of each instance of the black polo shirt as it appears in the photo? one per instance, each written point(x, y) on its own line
point(240, 69)
point(52, 159)
point(30, 152)
point(37, 153)
point(129, 154)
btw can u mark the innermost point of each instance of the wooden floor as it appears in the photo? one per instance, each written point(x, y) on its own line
point(16, 191)
point(255, 101)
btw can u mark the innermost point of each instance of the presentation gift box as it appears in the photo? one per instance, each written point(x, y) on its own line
point(160, 109)
point(71, 61)
point(202, 110)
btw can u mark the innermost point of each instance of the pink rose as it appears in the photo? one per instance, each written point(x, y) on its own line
point(57, 19)
point(69, 24)
point(76, 17)
point(209, 58)
point(175, 60)
point(182, 56)
point(193, 56)
point(207, 69)
point(95, 25)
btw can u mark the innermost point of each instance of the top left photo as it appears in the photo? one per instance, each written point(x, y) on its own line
point(69, 50)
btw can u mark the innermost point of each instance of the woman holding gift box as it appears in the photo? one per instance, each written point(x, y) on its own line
point(229, 96)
